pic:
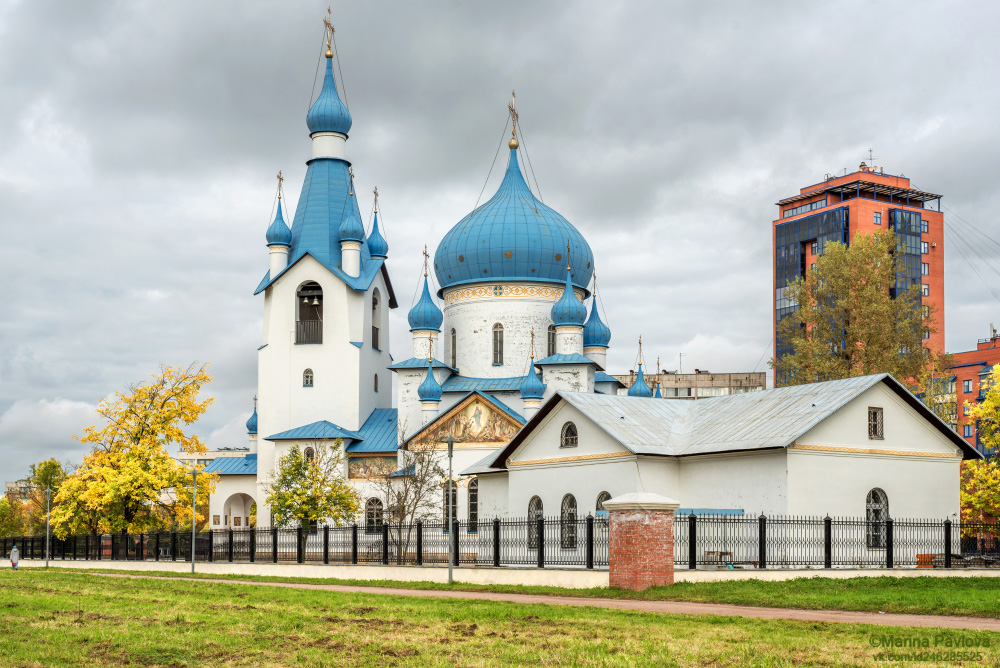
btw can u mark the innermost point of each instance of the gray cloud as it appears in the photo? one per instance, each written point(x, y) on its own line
point(138, 142)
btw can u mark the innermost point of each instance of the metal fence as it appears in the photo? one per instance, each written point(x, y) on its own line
point(704, 541)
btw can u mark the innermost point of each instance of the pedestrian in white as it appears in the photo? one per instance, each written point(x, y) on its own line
point(15, 556)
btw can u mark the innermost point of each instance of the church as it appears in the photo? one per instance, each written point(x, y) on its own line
point(508, 359)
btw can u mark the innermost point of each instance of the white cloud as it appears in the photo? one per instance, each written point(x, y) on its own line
point(31, 431)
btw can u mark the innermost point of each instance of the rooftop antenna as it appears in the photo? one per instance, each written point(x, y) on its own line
point(680, 362)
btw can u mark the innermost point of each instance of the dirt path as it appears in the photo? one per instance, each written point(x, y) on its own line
point(668, 607)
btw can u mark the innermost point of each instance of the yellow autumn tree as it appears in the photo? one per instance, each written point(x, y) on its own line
point(129, 481)
point(981, 479)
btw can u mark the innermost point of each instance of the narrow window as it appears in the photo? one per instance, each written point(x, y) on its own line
point(925, 290)
point(474, 505)
point(307, 378)
point(373, 515)
point(497, 344)
point(310, 454)
point(601, 498)
point(376, 382)
point(814, 248)
point(444, 506)
point(309, 313)
point(567, 522)
point(967, 431)
point(924, 247)
point(878, 218)
point(534, 514)
point(924, 227)
point(875, 424)
point(376, 321)
point(550, 348)
point(967, 386)
point(925, 269)
point(568, 439)
point(454, 349)
point(877, 512)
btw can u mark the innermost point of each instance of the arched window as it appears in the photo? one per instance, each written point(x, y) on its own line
point(534, 514)
point(454, 349)
point(568, 439)
point(376, 321)
point(309, 313)
point(444, 506)
point(551, 347)
point(474, 505)
point(376, 382)
point(310, 454)
point(497, 344)
point(876, 513)
point(307, 378)
point(567, 522)
point(373, 515)
point(601, 498)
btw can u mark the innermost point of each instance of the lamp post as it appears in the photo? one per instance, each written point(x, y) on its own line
point(194, 510)
point(451, 525)
point(48, 511)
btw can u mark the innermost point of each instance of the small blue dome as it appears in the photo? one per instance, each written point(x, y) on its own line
point(595, 332)
point(568, 310)
point(425, 315)
point(351, 228)
point(377, 245)
point(639, 387)
point(532, 387)
point(278, 233)
point(657, 395)
point(328, 113)
point(512, 237)
point(430, 389)
point(252, 423)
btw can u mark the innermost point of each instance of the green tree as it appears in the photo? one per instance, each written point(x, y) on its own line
point(12, 517)
point(48, 474)
point(312, 489)
point(848, 321)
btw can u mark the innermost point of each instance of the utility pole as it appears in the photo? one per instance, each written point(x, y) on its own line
point(680, 362)
point(451, 525)
point(194, 510)
point(48, 511)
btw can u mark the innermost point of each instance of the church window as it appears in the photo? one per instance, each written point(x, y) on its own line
point(310, 454)
point(307, 378)
point(876, 426)
point(601, 498)
point(569, 436)
point(534, 514)
point(376, 382)
point(454, 506)
point(876, 513)
point(473, 505)
point(567, 522)
point(376, 322)
point(497, 344)
point(551, 347)
point(309, 313)
point(373, 515)
point(454, 349)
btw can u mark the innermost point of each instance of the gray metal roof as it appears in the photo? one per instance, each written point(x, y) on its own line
point(484, 465)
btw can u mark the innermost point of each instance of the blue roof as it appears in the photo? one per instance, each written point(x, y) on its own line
point(502, 406)
point(377, 245)
point(321, 429)
point(513, 236)
point(328, 113)
point(465, 384)
point(351, 228)
point(430, 389)
point(561, 358)
point(639, 387)
point(252, 422)
point(532, 387)
point(595, 332)
point(246, 465)
point(568, 310)
point(601, 377)
point(378, 433)
point(425, 314)
point(278, 233)
point(418, 363)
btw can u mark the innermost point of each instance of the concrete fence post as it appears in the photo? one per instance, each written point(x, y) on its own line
point(640, 540)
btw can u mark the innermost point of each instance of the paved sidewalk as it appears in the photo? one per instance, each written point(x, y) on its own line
point(667, 607)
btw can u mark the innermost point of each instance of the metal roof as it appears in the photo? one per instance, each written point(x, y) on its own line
point(563, 358)
point(245, 465)
point(601, 377)
point(465, 384)
point(419, 363)
point(378, 433)
point(321, 429)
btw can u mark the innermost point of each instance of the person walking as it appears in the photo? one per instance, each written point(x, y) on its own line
point(15, 556)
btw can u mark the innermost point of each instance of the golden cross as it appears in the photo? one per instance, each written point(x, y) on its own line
point(532, 343)
point(640, 350)
point(657, 364)
point(329, 30)
point(512, 107)
point(350, 170)
point(280, 180)
point(255, 403)
point(567, 255)
point(376, 198)
point(426, 256)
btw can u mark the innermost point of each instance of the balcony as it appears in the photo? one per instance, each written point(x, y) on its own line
point(309, 331)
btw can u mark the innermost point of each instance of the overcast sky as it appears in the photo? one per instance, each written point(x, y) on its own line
point(139, 142)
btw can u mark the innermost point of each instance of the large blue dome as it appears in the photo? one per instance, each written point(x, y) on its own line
point(512, 237)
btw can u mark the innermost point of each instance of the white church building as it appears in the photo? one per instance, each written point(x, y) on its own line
point(508, 358)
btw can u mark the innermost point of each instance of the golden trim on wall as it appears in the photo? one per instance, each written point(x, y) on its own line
point(577, 458)
point(501, 290)
point(871, 451)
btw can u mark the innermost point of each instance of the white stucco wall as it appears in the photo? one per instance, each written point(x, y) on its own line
point(755, 482)
point(228, 487)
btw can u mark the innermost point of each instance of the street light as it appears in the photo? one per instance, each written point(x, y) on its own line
point(194, 510)
point(451, 525)
point(48, 510)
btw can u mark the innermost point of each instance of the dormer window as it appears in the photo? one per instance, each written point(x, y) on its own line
point(568, 439)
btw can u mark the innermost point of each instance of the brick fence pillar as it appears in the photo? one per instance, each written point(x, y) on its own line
point(641, 540)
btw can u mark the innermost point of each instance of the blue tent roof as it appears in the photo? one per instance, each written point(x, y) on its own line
point(378, 434)
point(321, 429)
point(246, 465)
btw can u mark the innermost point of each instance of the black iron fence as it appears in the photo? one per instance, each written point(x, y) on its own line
point(705, 541)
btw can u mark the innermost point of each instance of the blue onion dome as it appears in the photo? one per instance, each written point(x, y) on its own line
point(569, 310)
point(278, 233)
point(351, 228)
point(377, 245)
point(328, 113)
point(639, 387)
point(595, 332)
point(430, 389)
point(425, 315)
point(513, 236)
point(252, 423)
point(532, 387)
point(657, 395)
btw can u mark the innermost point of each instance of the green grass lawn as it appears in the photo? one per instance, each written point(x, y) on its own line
point(977, 597)
point(79, 619)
